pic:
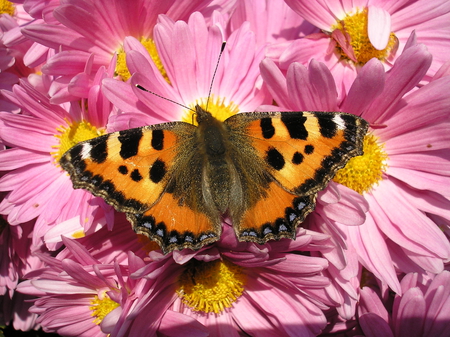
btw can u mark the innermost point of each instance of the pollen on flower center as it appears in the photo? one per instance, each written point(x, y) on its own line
point(216, 106)
point(73, 134)
point(102, 307)
point(211, 286)
point(359, 49)
point(149, 44)
point(6, 7)
point(363, 172)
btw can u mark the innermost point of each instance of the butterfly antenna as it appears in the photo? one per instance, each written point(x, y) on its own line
point(222, 48)
point(167, 99)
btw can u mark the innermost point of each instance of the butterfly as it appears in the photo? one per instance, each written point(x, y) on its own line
point(176, 181)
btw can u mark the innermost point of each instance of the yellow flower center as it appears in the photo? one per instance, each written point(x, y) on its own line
point(7, 7)
point(211, 286)
point(362, 173)
point(102, 307)
point(216, 107)
point(356, 26)
point(73, 134)
point(149, 44)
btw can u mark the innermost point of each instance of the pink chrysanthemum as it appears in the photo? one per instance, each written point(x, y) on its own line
point(423, 309)
point(84, 29)
point(234, 286)
point(188, 53)
point(78, 295)
point(37, 187)
point(406, 158)
point(355, 32)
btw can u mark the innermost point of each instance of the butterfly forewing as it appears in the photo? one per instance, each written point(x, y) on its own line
point(303, 150)
point(129, 168)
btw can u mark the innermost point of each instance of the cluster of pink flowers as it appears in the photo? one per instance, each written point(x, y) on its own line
point(371, 260)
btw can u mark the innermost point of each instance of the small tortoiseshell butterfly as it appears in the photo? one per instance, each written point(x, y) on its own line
point(176, 180)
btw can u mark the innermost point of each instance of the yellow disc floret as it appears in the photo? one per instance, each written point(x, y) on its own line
point(101, 307)
point(7, 7)
point(149, 44)
point(362, 173)
point(211, 286)
point(355, 28)
point(216, 106)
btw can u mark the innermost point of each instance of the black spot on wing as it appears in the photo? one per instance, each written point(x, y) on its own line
point(267, 128)
point(130, 142)
point(157, 139)
point(135, 175)
point(309, 149)
point(295, 124)
point(157, 171)
point(297, 158)
point(123, 169)
point(275, 159)
point(99, 151)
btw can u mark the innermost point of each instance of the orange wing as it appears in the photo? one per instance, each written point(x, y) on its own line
point(129, 168)
point(275, 216)
point(303, 150)
point(176, 226)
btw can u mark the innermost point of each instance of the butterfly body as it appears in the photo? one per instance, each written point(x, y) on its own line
point(176, 181)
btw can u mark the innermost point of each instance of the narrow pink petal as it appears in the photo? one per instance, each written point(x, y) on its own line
point(371, 302)
point(373, 252)
point(251, 320)
point(307, 48)
point(436, 137)
point(276, 82)
point(417, 13)
point(379, 27)
point(421, 180)
point(416, 105)
point(407, 226)
point(66, 63)
point(411, 314)
point(436, 162)
point(324, 87)
point(316, 13)
point(179, 325)
point(406, 73)
point(61, 287)
point(374, 326)
point(368, 85)
point(14, 158)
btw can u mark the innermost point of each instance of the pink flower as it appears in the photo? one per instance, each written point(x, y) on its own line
point(37, 187)
point(397, 234)
point(422, 309)
point(182, 50)
point(234, 286)
point(83, 29)
point(353, 33)
point(87, 289)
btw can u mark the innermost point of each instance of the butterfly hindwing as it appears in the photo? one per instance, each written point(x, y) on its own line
point(128, 168)
point(176, 226)
point(303, 150)
point(275, 216)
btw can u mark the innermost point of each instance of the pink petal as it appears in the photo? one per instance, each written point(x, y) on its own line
point(179, 325)
point(407, 226)
point(411, 314)
point(379, 27)
point(368, 85)
point(374, 326)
